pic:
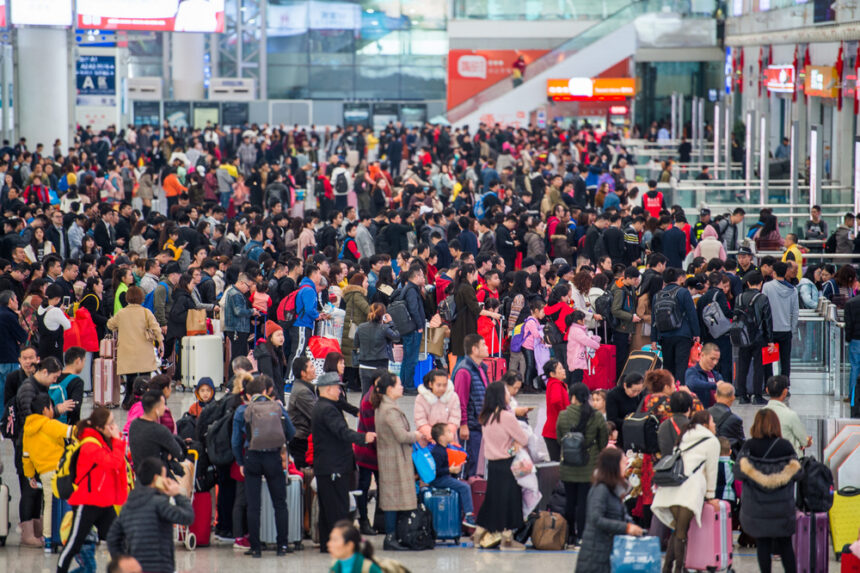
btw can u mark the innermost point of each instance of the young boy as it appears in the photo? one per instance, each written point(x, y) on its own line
point(443, 436)
point(69, 385)
point(726, 473)
point(43, 445)
point(205, 393)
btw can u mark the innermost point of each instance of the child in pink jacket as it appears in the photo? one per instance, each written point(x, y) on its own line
point(578, 341)
point(437, 403)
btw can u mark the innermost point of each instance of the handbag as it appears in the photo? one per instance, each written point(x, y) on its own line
point(433, 339)
point(195, 322)
point(669, 471)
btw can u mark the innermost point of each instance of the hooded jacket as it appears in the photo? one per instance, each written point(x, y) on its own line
point(306, 304)
point(43, 444)
point(578, 339)
point(768, 468)
point(710, 246)
point(431, 409)
point(144, 528)
point(102, 474)
point(784, 305)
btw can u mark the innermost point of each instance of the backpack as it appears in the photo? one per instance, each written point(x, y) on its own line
point(186, 426)
point(744, 328)
point(479, 210)
point(59, 394)
point(448, 309)
point(400, 314)
point(66, 481)
point(341, 185)
point(552, 333)
point(830, 243)
point(266, 421)
point(669, 471)
point(287, 309)
point(218, 437)
point(639, 430)
point(549, 532)
point(149, 300)
point(253, 252)
point(714, 319)
point(815, 488)
point(667, 310)
point(519, 336)
point(415, 529)
point(574, 452)
point(603, 306)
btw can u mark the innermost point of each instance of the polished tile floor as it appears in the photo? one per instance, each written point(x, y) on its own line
point(217, 559)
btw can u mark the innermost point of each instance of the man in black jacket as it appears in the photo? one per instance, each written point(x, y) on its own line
point(411, 294)
point(729, 425)
point(143, 528)
point(147, 437)
point(206, 288)
point(753, 301)
point(505, 244)
point(613, 238)
point(395, 233)
point(333, 458)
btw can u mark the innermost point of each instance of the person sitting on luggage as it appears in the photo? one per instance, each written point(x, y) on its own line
point(678, 506)
point(205, 394)
point(43, 446)
point(489, 327)
point(143, 528)
point(437, 403)
point(606, 515)
point(726, 474)
point(702, 377)
point(580, 344)
point(768, 467)
point(681, 405)
point(443, 435)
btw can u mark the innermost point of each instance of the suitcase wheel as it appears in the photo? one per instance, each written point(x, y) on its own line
point(190, 541)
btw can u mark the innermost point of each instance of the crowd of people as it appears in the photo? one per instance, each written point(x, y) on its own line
point(507, 258)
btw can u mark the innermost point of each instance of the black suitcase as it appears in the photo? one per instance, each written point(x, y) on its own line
point(641, 362)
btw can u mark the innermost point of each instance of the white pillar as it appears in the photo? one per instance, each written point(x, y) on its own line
point(43, 94)
point(187, 58)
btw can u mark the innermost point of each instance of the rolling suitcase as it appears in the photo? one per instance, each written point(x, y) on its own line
point(479, 492)
point(202, 356)
point(105, 382)
point(444, 505)
point(600, 374)
point(5, 524)
point(811, 542)
point(59, 508)
point(548, 478)
point(295, 515)
point(497, 367)
point(640, 362)
point(201, 527)
point(709, 546)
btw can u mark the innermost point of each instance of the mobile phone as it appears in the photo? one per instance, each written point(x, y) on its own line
point(66, 301)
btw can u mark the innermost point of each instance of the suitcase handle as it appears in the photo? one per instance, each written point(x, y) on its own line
point(848, 491)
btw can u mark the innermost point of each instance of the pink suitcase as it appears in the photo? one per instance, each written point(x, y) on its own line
point(709, 546)
point(105, 382)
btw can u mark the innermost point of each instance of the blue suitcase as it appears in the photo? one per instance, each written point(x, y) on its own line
point(444, 505)
point(59, 508)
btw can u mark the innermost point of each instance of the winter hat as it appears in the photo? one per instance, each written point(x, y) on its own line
point(328, 379)
point(272, 328)
point(205, 381)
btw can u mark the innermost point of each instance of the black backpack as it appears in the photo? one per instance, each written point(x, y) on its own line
point(815, 488)
point(639, 430)
point(667, 310)
point(400, 316)
point(574, 451)
point(341, 185)
point(830, 243)
point(218, 438)
point(552, 333)
point(415, 529)
point(603, 306)
point(744, 327)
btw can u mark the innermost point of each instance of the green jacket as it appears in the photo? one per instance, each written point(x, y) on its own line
point(357, 566)
point(595, 435)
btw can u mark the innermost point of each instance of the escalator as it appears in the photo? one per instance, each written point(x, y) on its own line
point(650, 23)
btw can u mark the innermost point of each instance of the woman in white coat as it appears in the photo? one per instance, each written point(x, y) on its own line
point(677, 506)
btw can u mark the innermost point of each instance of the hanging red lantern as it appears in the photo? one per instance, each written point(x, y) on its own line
point(794, 65)
point(839, 65)
point(740, 69)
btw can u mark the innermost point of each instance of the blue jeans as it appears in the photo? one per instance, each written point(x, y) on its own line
point(854, 358)
point(464, 492)
point(5, 370)
point(411, 342)
point(473, 450)
point(225, 199)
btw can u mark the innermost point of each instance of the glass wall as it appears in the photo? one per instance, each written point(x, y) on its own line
point(380, 49)
point(657, 81)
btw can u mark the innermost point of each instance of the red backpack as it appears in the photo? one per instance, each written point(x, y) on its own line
point(287, 309)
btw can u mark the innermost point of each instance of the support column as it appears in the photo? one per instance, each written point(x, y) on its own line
point(187, 59)
point(43, 95)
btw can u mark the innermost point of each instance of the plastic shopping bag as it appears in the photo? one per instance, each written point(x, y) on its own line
point(635, 554)
point(424, 463)
point(522, 464)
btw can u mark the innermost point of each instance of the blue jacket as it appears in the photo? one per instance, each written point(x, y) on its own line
point(12, 336)
point(469, 242)
point(674, 245)
point(697, 380)
point(306, 304)
point(239, 440)
point(689, 319)
point(612, 200)
point(253, 249)
point(414, 304)
point(488, 175)
point(237, 315)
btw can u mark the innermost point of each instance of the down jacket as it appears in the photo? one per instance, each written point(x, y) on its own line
point(768, 468)
point(605, 518)
point(144, 528)
point(104, 465)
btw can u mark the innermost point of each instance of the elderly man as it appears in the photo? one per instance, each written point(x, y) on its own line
point(702, 377)
point(729, 425)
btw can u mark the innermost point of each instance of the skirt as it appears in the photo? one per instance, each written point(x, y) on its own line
point(503, 506)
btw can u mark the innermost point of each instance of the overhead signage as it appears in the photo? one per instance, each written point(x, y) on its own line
point(472, 71)
point(155, 15)
point(95, 80)
point(591, 89)
point(780, 79)
point(618, 110)
point(820, 81)
point(41, 13)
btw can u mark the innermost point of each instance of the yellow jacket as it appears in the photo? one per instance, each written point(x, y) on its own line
point(43, 444)
point(798, 258)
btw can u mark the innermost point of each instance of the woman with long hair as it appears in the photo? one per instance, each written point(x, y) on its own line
point(767, 238)
point(33, 297)
point(39, 246)
point(366, 458)
point(385, 286)
point(146, 188)
point(557, 399)
point(352, 555)
point(606, 515)
point(270, 357)
point(138, 244)
point(181, 303)
point(123, 277)
point(501, 513)
point(468, 309)
point(394, 441)
point(101, 459)
point(373, 340)
point(678, 506)
point(51, 322)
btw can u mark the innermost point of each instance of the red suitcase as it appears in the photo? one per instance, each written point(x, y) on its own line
point(850, 564)
point(202, 525)
point(479, 492)
point(601, 374)
point(496, 368)
point(709, 546)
